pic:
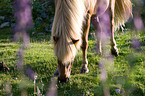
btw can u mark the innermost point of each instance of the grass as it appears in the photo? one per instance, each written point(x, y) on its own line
point(125, 71)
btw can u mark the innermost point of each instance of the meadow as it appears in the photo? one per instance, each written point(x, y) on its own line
point(125, 73)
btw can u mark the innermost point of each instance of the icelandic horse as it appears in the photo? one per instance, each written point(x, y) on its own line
point(71, 28)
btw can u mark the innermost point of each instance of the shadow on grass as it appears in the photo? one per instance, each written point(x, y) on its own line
point(6, 36)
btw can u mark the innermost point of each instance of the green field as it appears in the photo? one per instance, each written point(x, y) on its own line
point(125, 72)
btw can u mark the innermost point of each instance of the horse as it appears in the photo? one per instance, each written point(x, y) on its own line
point(71, 25)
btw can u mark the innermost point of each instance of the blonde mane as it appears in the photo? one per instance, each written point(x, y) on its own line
point(67, 25)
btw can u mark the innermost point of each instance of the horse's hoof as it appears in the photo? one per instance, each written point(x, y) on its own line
point(63, 80)
point(56, 73)
point(84, 70)
point(115, 51)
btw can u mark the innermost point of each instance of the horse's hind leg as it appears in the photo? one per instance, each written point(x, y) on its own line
point(96, 24)
point(86, 27)
point(114, 49)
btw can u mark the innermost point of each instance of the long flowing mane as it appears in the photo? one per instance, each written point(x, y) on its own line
point(67, 25)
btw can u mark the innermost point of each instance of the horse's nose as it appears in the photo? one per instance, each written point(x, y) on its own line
point(63, 80)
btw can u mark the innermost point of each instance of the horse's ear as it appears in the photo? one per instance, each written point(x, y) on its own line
point(55, 38)
point(75, 41)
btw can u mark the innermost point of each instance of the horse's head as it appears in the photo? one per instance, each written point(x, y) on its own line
point(65, 52)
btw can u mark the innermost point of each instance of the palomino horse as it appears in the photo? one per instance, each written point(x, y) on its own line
point(71, 28)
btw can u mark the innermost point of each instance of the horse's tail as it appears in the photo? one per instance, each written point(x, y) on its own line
point(123, 10)
point(67, 28)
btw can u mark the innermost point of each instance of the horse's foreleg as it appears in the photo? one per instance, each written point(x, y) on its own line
point(56, 73)
point(86, 27)
point(114, 49)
